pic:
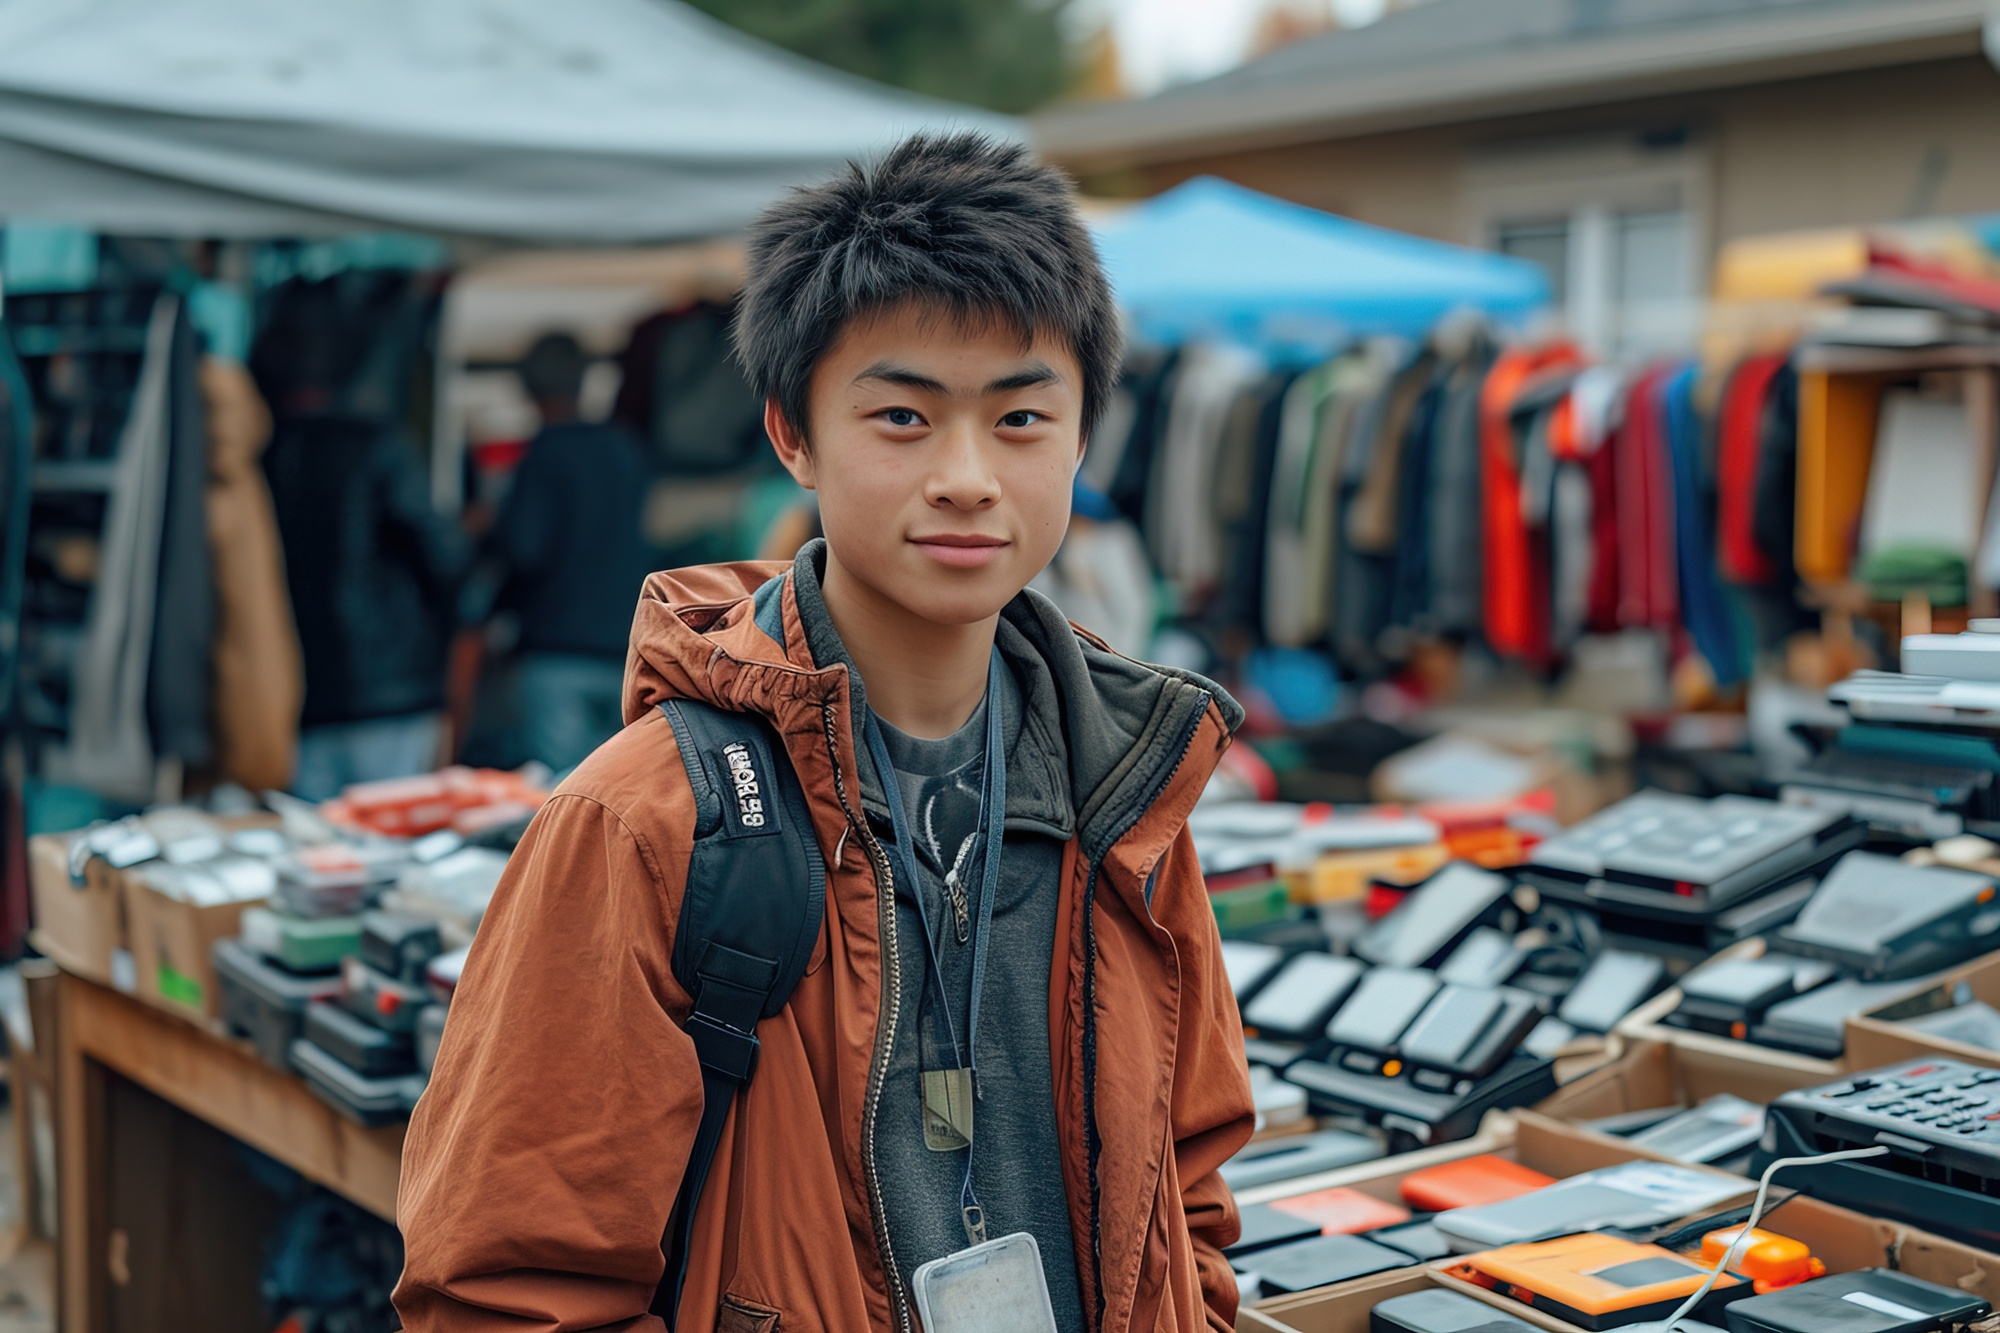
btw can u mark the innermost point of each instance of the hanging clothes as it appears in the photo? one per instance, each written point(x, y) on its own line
point(1365, 532)
point(1774, 506)
point(1739, 437)
point(259, 677)
point(1648, 587)
point(1181, 526)
point(1453, 507)
point(1243, 485)
point(178, 678)
point(1509, 596)
point(109, 748)
point(1319, 415)
point(1710, 619)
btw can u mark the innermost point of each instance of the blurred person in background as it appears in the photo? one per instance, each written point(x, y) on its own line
point(570, 554)
point(372, 567)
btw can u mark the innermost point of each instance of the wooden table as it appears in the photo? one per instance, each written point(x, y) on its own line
point(212, 1078)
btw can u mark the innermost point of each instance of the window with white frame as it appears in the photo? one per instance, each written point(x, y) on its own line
point(1618, 226)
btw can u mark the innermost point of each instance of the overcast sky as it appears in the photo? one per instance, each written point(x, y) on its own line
point(1170, 41)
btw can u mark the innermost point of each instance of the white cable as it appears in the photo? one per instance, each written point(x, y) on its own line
point(1735, 1250)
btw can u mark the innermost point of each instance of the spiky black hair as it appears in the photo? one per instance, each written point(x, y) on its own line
point(961, 221)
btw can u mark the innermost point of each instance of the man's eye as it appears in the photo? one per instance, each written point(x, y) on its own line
point(1020, 420)
point(902, 416)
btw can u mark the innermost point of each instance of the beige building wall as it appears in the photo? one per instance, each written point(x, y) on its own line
point(1838, 150)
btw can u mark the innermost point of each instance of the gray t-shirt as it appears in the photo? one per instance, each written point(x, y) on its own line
point(1017, 1165)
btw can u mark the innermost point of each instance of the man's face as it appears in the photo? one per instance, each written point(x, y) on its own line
point(942, 453)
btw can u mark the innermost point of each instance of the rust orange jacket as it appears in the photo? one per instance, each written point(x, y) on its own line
point(541, 1164)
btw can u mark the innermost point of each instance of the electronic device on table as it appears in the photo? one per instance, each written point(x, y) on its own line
point(1435, 916)
point(1629, 1196)
point(1320, 1262)
point(1440, 1312)
point(1425, 1061)
point(1597, 1281)
point(1265, 1227)
point(1728, 996)
point(1293, 1155)
point(1871, 1300)
point(1291, 1009)
point(1881, 919)
point(1249, 965)
point(1660, 866)
point(1615, 983)
point(1717, 1129)
point(1296, 1003)
point(1469, 1182)
point(1816, 1023)
point(1486, 957)
point(1940, 1121)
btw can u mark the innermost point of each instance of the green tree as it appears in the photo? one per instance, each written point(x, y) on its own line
point(1005, 54)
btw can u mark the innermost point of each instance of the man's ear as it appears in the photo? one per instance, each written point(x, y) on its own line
point(789, 443)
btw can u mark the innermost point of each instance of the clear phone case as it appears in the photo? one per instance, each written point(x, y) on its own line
point(997, 1287)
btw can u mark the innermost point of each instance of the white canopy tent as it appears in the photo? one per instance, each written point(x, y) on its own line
point(581, 122)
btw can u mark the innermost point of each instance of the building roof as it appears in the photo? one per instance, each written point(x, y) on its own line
point(1453, 60)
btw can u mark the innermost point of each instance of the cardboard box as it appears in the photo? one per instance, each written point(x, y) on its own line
point(1547, 1145)
point(172, 939)
point(1876, 1038)
point(80, 926)
point(1654, 1074)
point(1843, 1239)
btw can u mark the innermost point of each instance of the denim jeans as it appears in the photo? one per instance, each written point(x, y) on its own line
point(570, 705)
point(342, 753)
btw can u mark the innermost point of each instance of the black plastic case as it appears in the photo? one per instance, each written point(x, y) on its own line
point(1829, 1305)
point(361, 1047)
point(364, 1100)
point(398, 946)
point(264, 1002)
point(1265, 1227)
point(1413, 1116)
point(1321, 1261)
point(1440, 1312)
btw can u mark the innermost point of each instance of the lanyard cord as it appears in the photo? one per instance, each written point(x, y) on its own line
point(993, 818)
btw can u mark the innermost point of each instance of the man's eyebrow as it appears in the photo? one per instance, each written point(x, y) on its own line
point(1030, 376)
point(891, 373)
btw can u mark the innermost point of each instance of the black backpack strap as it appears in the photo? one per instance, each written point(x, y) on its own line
point(750, 915)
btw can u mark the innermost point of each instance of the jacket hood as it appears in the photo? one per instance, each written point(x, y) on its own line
point(1097, 742)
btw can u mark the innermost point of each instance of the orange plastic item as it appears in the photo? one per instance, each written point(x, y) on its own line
point(1342, 1212)
point(411, 807)
point(1470, 1181)
point(1770, 1261)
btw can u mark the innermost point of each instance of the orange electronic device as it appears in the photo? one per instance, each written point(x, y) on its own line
point(1768, 1261)
point(1340, 1211)
point(1470, 1181)
point(1596, 1281)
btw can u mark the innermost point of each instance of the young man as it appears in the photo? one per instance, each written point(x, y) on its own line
point(935, 340)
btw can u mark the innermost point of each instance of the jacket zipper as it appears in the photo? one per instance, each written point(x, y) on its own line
point(888, 1015)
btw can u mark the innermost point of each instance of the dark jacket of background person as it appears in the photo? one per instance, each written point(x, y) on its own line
point(372, 567)
point(569, 537)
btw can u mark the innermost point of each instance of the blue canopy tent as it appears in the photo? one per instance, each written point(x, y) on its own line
point(1212, 259)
